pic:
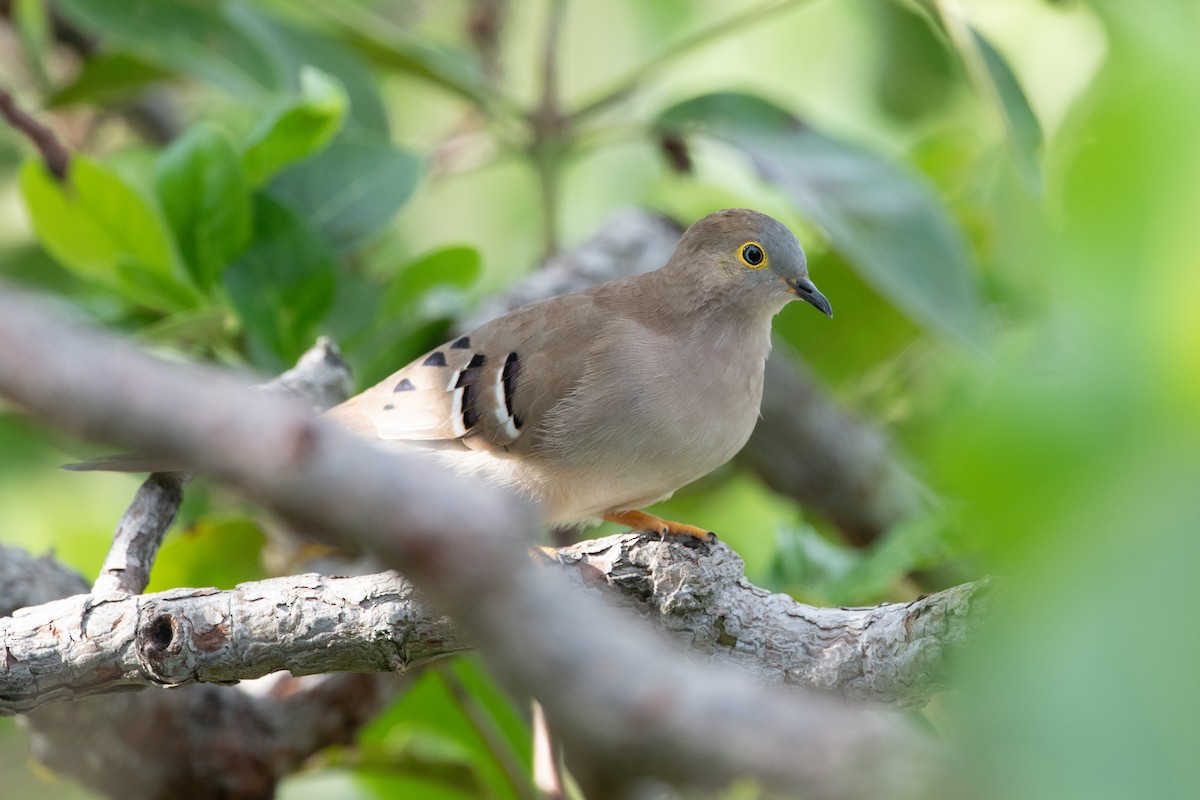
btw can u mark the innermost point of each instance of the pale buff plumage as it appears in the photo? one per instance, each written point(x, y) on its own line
point(604, 401)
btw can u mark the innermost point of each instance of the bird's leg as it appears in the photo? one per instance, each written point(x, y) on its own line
point(641, 521)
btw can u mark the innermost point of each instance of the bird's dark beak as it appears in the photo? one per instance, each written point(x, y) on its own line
point(806, 291)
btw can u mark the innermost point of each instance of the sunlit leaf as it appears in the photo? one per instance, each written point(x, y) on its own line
point(99, 227)
point(203, 192)
point(351, 189)
point(428, 732)
point(297, 128)
point(193, 38)
point(885, 221)
point(220, 552)
point(453, 268)
point(282, 284)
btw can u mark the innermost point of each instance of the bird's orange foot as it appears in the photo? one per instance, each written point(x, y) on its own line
point(641, 521)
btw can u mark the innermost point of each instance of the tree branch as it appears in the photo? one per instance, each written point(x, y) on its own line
point(309, 624)
point(306, 624)
point(54, 154)
point(611, 689)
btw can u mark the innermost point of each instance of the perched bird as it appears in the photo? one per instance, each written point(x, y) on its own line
point(599, 403)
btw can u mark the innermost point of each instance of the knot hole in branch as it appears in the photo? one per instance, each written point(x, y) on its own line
point(161, 632)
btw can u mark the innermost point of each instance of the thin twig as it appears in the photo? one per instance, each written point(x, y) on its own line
point(140, 533)
point(549, 129)
point(56, 156)
point(623, 86)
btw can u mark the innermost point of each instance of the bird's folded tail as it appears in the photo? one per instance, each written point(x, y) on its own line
point(124, 462)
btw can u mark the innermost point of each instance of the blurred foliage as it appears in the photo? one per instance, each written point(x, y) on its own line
point(999, 199)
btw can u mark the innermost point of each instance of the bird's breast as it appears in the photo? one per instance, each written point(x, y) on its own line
point(651, 413)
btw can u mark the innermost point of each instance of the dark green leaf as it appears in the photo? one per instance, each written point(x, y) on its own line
point(282, 285)
point(295, 48)
point(351, 189)
point(917, 543)
point(914, 71)
point(203, 191)
point(885, 221)
point(107, 77)
point(297, 128)
point(99, 227)
point(193, 38)
point(414, 312)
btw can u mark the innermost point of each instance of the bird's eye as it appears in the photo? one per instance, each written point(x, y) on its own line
point(753, 256)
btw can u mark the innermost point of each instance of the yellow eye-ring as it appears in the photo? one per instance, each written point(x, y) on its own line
point(753, 256)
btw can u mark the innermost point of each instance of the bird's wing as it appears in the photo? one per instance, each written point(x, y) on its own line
point(488, 389)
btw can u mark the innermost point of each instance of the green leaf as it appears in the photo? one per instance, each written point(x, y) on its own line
point(106, 77)
point(282, 285)
point(203, 191)
point(213, 551)
point(412, 315)
point(31, 20)
point(400, 50)
point(99, 227)
point(297, 128)
point(294, 48)
point(193, 38)
point(449, 269)
point(426, 734)
point(1023, 129)
point(351, 189)
point(884, 221)
point(916, 543)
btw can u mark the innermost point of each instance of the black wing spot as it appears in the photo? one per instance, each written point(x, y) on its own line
point(388, 407)
point(436, 359)
point(469, 415)
point(405, 386)
point(461, 344)
point(472, 371)
point(512, 371)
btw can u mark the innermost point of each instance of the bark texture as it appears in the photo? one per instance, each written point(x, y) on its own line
point(891, 654)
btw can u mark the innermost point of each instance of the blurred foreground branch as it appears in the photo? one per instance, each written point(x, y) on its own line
point(201, 741)
point(613, 690)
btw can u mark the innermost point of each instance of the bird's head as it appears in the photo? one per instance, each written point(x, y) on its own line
point(749, 254)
